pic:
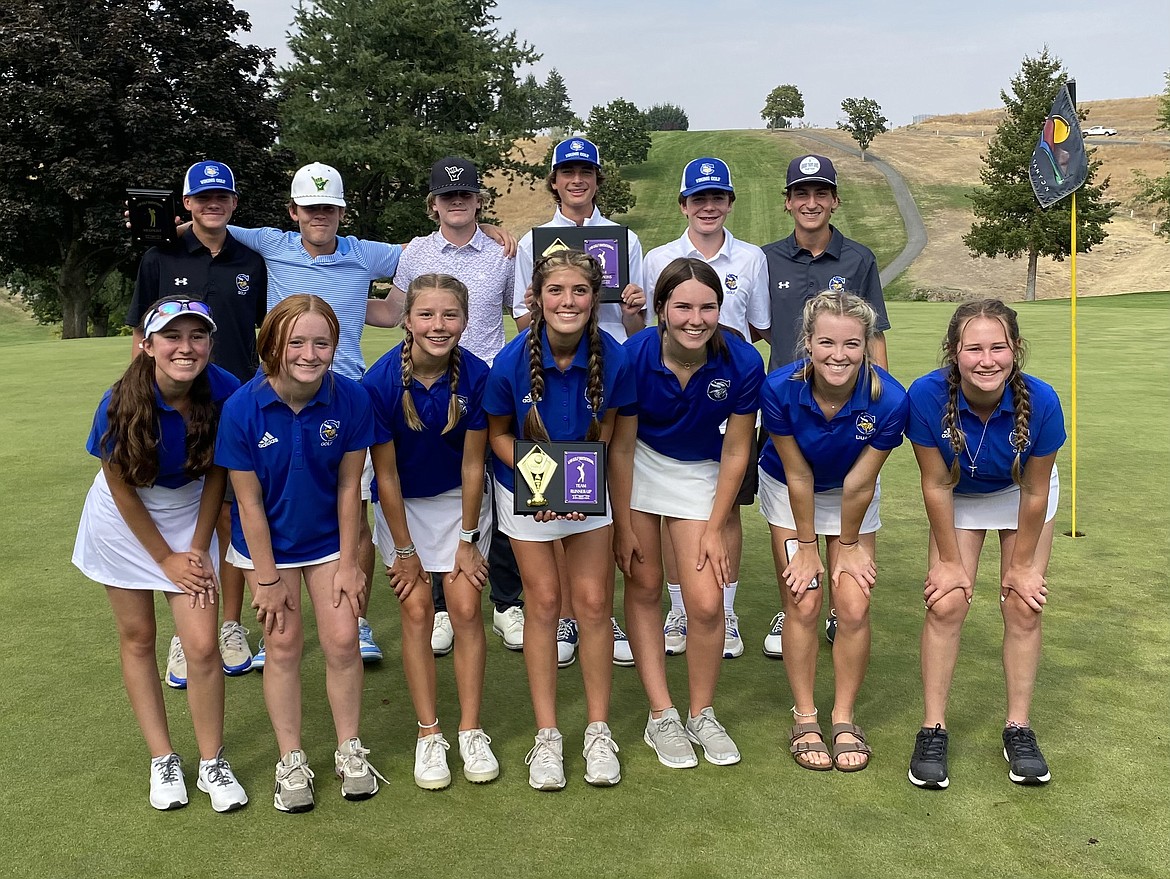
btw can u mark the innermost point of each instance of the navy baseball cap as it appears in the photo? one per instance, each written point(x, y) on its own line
point(575, 149)
point(706, 173)
point(208, 175)
point(453, 174)
point(811, 169)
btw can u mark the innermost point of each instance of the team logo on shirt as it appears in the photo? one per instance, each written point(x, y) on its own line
point(783, 285)
point(718, 389)
point(329, 431)
point(866, 424)
point(180, 282)
point(837, 284)
point(600, 406)
point(731, 282)
point(461, 402)
point(946, 434)
point(1012, 442)
point(266, 441)
point(527, 398)
point(243, 283)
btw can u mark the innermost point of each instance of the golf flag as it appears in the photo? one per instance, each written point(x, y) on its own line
point(1059, 163)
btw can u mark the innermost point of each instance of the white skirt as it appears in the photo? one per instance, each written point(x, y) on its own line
point(527, 528)
point(435, 523)
point(107, 551)
point(1000, 510)
point(666, 486)
point(777, 509)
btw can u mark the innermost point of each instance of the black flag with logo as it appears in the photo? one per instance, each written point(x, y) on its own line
point(1059, 163)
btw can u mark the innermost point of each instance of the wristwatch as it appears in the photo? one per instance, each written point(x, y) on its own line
point(469, 536)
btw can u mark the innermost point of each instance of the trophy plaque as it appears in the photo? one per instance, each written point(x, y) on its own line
point(609, 244)
point(564, 477)
point(152, 216)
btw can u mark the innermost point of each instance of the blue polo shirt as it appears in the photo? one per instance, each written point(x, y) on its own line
point(796, 276)
point(296, 457)
point(830, 446)
point(429, 461)
point(993, 463)
point(172, 429)
point(683, 423)
point(565, 407)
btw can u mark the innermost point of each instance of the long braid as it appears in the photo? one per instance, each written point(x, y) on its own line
point(1022, 399)
point(951, 421)
point(409, 412)
point(595, 387)
point(534, 428)
point(453, 411)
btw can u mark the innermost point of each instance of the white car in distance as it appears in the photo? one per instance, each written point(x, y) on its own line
point(1099, 131)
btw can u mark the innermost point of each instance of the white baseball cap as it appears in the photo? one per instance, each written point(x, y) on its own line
point(318, 184)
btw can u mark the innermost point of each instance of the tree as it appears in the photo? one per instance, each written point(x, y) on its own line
point(1155, 191)
point(667, 117)
point(619, 129)
point(784, 103)
point(96, 97)
point(864, 121)
point(381, 89)
point(1009, 219)
point(554, 110)
point(616, 196)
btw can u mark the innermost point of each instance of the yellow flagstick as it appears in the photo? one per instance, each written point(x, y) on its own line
point(1073, 311)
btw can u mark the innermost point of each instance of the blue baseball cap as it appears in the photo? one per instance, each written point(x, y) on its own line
point(705, 173)
point(811, 169)
point(575, 149)
point(208, 175)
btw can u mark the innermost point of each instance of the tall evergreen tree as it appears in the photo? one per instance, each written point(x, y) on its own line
point(381, 89)
point(1009, 220)
point(96, 97)
point(556, 110)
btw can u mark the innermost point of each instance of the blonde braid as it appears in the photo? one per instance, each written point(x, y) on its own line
point(453, 413)
point(1022, 398)
point(595, 387)
point(534, 428)
point(951, 421)
point(409, 412)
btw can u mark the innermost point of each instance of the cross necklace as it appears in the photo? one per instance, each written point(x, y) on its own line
point(978, 448)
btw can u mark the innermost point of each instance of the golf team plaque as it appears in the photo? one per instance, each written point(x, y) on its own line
point(609, 244)
point(564, 477)
point(152, 216)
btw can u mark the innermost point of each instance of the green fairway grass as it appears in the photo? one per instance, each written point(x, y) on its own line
point(73, 779)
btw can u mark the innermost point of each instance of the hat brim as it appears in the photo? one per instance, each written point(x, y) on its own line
point(703, 187)
point(161, 321)
point(814, 178)
point(455, 187)
point(307, 200)
point(200, 189)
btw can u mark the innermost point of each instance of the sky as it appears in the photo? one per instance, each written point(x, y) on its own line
point(719, 60)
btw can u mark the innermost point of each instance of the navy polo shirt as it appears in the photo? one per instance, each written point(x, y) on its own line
point(683, 423)
point(296, 457)
point(992, 453)
point(830, 446)
point(565, 406)
point(234, 284)
point(172, 429)
point(796, 276)
point(429, 461)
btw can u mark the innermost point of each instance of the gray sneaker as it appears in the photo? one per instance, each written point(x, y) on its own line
point(669, 741)
point(294, 783)
point(359, 780)
point(705, 730)
point(601, 763)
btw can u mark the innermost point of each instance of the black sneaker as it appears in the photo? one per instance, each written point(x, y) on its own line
point(1027, 765)
point(831, 626)
point(928, 765)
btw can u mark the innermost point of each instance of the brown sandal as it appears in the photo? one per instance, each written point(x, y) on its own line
point(842, 748)
point(800, 749)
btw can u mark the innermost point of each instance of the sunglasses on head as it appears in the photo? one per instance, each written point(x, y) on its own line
point(178, 306)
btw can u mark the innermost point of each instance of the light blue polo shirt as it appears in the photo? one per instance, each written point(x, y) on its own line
point(683, 423)
point(830, 446)
point(564, 407)
point(993, 463)
point(172, 429)
point(429, 461)
point(341, 278)
point(296, 457)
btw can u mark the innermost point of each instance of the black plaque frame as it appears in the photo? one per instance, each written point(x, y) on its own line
point(152, 216)
point(609, 241)
point(555, 491)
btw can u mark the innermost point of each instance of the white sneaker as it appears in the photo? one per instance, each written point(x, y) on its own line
point(546, 761)
point(167, 788)
point(359, 780)
point(509, 625)
point(566, 642)
point(772, 641)
point(430, 762)
point(622, 654)
point(675, 631)
point(294, 783)
point(367, 646)
point(669, 740)
point(176, 666)
point(234, 651)
point(217, 780)
point(479, 763)
point(601, 763)
point(706, 731)
point(732, 643)
point(442, 635)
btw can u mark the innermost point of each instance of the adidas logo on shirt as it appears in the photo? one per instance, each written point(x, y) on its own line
point(266, 441)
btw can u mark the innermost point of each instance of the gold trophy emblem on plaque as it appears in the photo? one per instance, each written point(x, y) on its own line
point(537, 467)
